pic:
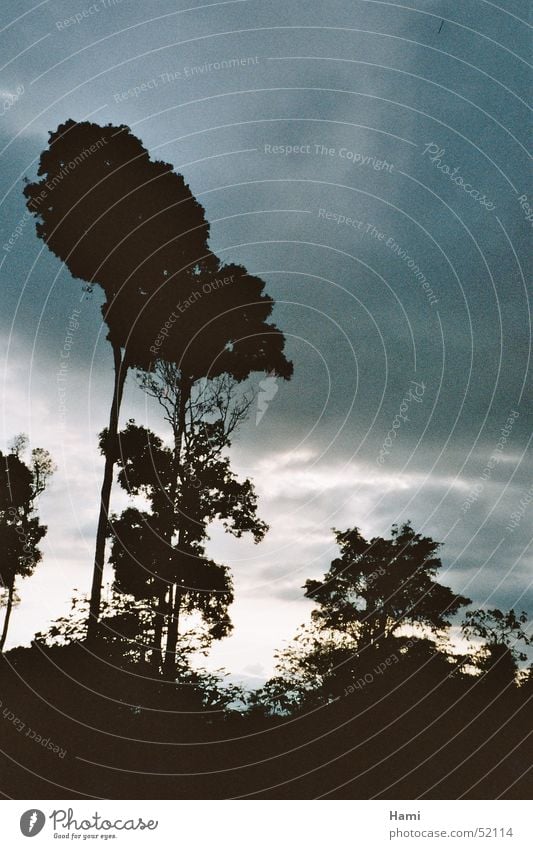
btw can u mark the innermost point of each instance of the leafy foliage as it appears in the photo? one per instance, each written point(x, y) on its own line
point(372, 595)
point(20, 529)
point(503, 634)
point(153, 550)
point(377, 587)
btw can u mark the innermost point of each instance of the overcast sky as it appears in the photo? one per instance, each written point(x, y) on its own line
point(369, 161)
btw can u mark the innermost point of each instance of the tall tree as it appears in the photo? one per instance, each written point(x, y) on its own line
point(160, 556)
point(118, 220)
point(378, 586)
point(203, 415)
point(20, 529)
point(372, 596)
point(220, 333)
point(132, 226)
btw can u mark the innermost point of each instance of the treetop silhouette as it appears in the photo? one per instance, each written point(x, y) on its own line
point(375, 594)
point(132, 226)
point(119, 220)
point(378, 586)
point(20, 529)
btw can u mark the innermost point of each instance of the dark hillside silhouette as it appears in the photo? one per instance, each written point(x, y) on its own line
point(339, 721)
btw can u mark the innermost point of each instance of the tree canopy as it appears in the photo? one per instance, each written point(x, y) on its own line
point(20, 528)
point(380, 585)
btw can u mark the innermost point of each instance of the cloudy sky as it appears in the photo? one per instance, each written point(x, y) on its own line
point(369, 160)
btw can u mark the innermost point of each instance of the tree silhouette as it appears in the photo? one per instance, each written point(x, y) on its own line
point(119, 220)
point(132, 226)
point(374, 590)
point(20, 528)
point(377, 587)
point(159, 556)
point(225, 336)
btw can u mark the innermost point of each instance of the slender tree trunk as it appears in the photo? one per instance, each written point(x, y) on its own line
point(7, 617)
point(172, 634)
point(175, 594)
point(101, 533)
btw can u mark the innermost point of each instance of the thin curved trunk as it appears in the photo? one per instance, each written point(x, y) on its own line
point(7, 617)
point(105, 497)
